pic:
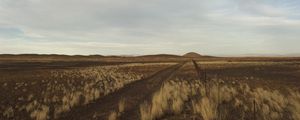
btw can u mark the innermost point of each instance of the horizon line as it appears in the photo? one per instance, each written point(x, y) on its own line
point(137, 55)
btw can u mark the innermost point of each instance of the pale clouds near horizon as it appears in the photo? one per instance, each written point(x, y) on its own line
point(215, 27)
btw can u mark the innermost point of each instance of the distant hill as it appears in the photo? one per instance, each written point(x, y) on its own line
point(192, 55)
point(162, 55)
point(53, 55)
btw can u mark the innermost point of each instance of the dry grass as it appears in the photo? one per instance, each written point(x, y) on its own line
point(121, 105)
point(121, 108)
point(205, 108)
point(61, 90)
point(169, 99)
point(100, 82)
point(223, 101)
point(294, 104)
point(113, 116)
point(145, 111)
point(40, 113)
point(9, 112)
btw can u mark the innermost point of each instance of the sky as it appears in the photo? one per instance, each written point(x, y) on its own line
point(137, 27)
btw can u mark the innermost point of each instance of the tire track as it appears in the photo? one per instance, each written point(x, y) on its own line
point(134, 94)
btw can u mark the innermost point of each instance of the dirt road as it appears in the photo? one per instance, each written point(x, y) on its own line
point(133, 94)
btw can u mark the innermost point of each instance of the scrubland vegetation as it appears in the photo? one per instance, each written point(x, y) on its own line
point(47, 94)
point(230, 91)
point(220, 101)
point(184, 97)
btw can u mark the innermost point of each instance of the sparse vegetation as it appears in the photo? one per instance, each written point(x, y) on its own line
point(58, 91)
point(232, 100)
point(235, 91)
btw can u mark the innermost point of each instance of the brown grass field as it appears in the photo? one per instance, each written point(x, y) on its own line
point(50, 87)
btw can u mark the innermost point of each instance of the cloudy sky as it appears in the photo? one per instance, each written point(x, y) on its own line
point(213, 27)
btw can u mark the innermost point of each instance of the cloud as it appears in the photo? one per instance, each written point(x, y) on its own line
point(8, 32)
point(156, 26)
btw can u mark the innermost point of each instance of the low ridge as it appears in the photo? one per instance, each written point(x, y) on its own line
point(192, 55)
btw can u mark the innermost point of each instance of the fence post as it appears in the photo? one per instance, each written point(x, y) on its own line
point(197, 69)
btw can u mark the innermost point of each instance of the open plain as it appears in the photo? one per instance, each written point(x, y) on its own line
point(46, 87)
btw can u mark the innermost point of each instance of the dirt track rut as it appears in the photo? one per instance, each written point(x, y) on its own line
point(134, 94)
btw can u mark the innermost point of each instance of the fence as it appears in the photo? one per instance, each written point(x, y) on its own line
point(202, 76)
